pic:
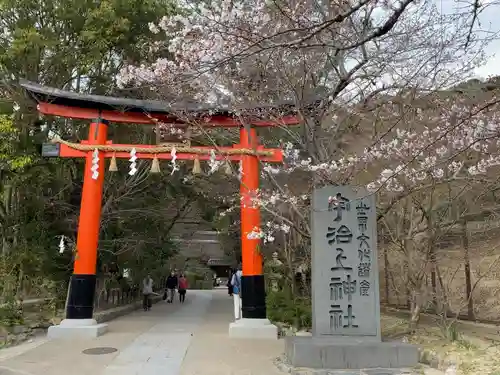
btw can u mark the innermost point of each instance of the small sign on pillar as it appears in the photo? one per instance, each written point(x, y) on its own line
point(51, 149)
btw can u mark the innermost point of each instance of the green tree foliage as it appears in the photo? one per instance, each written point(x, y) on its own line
point(80, 43)
point(11, 162)
point(79, 46)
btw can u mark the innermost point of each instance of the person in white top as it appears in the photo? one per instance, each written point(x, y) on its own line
point(147, 290)
point(236, 283)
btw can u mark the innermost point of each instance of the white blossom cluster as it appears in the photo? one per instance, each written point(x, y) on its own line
point(456, 146)
point(199, 39)
point(213, 163)
point(267, 235)
point(268, 202)
point(233, 44)
point(467, 146)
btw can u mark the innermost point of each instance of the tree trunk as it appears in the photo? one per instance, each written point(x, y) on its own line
point(67, 298)
point(415, 310)
point(386, 276)
point(407, 285)
point(445, 306)
point(19, 291)
point(433, 276)
point(468, 281)
point(289, 264)
point(7, 199)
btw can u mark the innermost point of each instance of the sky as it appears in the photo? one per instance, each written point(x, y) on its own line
point(487, 19)
point(489, 24)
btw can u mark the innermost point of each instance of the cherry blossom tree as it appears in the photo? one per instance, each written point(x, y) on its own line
point(269, 51)
point(347, 53)
point(387, 112)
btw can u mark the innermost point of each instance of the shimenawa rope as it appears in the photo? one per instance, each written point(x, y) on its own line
point(162, 149)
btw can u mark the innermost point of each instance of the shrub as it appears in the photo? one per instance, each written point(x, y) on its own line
point(283, 307)
point(11, 314)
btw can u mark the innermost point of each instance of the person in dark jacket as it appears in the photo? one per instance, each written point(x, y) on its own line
point(229, 286)
point(172, 283)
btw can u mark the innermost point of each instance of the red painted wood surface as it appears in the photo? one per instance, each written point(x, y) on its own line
point(143, 118)
point(90, 208)
point(250, 212)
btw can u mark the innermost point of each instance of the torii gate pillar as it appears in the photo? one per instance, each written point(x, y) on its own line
point(79, 320)
point(254, 323)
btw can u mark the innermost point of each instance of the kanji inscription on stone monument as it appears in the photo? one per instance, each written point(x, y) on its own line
point(344, 263)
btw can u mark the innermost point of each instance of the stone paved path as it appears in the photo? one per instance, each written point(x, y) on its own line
point(162, 348)
point(212, 352)
point(171, 339)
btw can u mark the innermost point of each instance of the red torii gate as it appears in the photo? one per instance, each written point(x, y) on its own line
point(103, 109)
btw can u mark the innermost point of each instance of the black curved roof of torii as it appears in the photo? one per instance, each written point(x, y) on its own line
point(101, 102)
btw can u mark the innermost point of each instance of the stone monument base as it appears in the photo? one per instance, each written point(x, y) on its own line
point(348, 353)
point(253, 329)
point(77, 329)
point(283, 366)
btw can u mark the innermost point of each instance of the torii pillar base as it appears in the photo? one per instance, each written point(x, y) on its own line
point(253, 329)
point(77, 329)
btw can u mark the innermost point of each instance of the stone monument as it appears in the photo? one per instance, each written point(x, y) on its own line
point(345, 289)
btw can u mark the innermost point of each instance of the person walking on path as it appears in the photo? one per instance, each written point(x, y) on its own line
point(183, 286)
point(229, 286)
point(236, 283)
point(147, 290)
point(172, 283)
